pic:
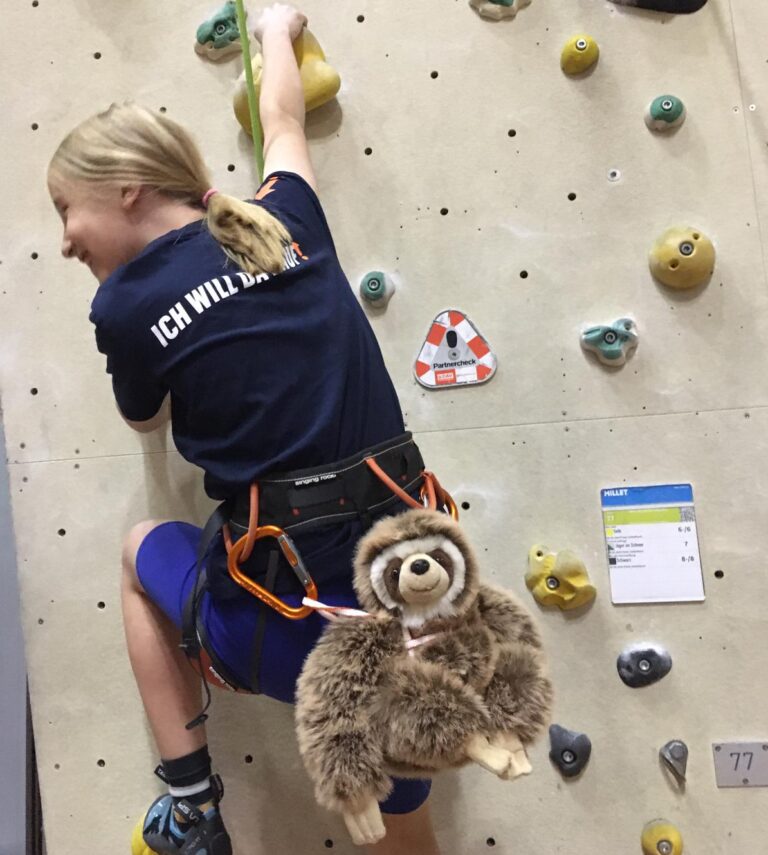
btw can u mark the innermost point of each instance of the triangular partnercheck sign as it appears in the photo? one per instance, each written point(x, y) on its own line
point(454, 354)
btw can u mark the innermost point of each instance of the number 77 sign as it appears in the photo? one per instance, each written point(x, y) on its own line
point(741, 764)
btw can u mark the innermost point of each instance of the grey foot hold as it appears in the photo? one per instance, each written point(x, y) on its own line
point(643, 664)
point(570, 751)
point(675, 757)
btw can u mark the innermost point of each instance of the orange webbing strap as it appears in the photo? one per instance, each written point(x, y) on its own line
point(437, 497)
point(398, 491)
point(444, 498)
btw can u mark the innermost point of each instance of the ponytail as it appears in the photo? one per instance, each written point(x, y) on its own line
point(131, 144)
point(248, 234)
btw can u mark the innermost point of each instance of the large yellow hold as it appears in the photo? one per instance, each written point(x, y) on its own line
point(579, 54)
point(661, 838)
point(558, 578)
point(682, 258)
point(320, 81)
point(138, 846)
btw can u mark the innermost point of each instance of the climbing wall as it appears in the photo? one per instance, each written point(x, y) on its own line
point(460, 160)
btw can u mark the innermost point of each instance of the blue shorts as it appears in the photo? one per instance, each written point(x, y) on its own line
point(165, 565)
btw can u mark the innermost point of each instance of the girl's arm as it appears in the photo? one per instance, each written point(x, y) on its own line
point(281, 104)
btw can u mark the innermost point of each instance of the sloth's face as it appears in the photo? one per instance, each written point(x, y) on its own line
point(420, 578)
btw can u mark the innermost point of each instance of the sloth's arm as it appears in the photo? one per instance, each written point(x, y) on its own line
point(506, 618)
point(339, 741)
point(519, 696)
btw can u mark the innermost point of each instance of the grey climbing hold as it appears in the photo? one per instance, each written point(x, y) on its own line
point(675, 7)
point(570, 750)
point(643, 664)
point(675, 756)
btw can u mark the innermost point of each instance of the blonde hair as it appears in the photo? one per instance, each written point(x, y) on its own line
point(129, 143)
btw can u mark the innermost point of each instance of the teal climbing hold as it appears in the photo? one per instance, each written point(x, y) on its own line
point(612, 343)
point(664, 113)
point(376, 288)
point(219, 36)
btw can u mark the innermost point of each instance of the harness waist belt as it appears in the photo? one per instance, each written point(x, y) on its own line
point(306, 499)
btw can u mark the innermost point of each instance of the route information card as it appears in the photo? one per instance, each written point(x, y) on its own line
point(652, 544)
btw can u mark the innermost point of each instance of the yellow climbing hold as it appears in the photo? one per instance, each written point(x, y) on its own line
point(682, 258)
point(579, 54)
point(320, 81)
point(138, 846)
point(661, 838)
point(558, 579)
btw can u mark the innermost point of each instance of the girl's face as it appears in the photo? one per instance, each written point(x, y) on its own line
point(98, 229)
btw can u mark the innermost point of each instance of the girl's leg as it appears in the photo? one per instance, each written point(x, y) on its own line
point(187, 818)
point(169, 687)
point(408, 834)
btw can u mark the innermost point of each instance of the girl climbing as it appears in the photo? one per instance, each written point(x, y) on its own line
point(241, 314)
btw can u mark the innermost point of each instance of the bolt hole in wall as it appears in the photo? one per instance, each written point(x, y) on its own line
point(97, 55)
point(231, 167)
point(62, 532)
point(572, 197)
point(465, 506)
point(434, 75)
point(719, 574)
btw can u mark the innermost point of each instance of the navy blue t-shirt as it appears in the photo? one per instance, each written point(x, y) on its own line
point(266, 373)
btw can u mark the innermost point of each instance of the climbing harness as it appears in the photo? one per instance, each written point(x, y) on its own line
point(364, 486)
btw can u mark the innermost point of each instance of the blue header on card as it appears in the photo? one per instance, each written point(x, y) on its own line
point(664, 494)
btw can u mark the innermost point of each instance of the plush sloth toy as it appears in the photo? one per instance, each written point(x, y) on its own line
point(444, 671)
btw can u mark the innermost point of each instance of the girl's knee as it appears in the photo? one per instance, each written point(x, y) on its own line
point(133, 541)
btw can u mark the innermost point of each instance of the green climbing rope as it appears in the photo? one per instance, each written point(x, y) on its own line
point(253, 106)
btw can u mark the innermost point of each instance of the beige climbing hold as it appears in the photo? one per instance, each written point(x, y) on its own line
point(498, 9)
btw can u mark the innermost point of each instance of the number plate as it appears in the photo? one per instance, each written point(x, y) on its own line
point(741, 764)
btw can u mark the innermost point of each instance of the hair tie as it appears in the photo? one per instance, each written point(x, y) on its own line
point(208, 195)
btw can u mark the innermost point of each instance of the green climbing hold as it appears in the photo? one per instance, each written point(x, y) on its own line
point(664, 113)
point(375, 288)
point(219, 37)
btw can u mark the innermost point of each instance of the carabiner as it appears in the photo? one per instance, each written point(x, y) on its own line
point(432, 492)
point(291, 555)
